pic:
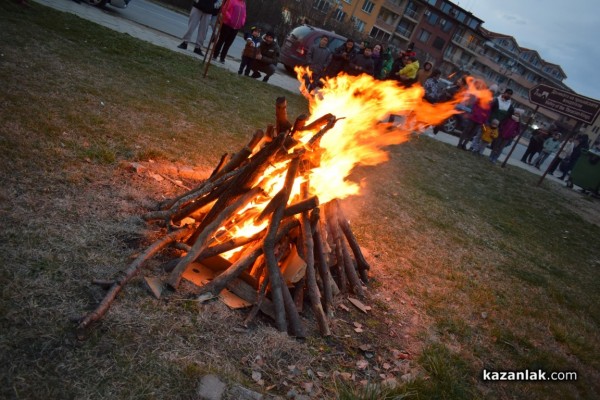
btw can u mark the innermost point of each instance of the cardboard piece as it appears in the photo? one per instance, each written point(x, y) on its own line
point(293, 267)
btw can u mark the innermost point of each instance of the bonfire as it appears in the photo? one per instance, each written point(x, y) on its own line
point(268, 224)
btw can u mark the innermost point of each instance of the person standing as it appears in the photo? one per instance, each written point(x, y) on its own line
point(408, 75)
point(478, 116)
point(581, 142)
point(551, 145)
point(318, 58)
point(484, 137)
point(267, 57)
point(250, 51)
point(340, 58)
point(509, 129)
point(233, 17)
point(200, 16)
point(563, 155)
point(361, 63)
point(432, 87)
point(536, 142)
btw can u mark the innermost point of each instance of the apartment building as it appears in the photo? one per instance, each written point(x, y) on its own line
point(456, 42)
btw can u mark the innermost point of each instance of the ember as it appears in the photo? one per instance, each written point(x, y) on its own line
point(277, 200)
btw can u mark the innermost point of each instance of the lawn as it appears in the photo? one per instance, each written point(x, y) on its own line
point(473, 266)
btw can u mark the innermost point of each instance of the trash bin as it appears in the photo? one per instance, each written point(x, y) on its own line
point(586, 172)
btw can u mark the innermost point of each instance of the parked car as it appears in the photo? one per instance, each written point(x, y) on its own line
point(114, 3)
point(454, 124)
point(297, 43)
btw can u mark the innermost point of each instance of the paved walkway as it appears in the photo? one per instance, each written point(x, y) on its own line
point(280, 78)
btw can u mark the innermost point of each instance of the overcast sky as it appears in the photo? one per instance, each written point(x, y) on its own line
point(564, 32)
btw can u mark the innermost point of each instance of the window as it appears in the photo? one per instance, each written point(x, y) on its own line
point(348, 1)
point(432, 2)
point(368, 6)
point(449, 53)
point(438, 43)
point(321, 5)
point(359, 25)
point(447, 26)
point(473, 23)
point(411, 10)
point(424, 36)
point(433, 18)
point(404, 28)
point(379, 35)
point(339, 15)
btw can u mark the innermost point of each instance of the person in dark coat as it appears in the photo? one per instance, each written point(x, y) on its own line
point(361, 63)
point(267, 58)
point(340, 58)
point(536, 143)
point(318, 58)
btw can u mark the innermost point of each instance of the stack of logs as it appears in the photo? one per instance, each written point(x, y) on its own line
point(321, 233)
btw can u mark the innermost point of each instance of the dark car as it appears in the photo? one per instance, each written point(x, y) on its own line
point(297, 43)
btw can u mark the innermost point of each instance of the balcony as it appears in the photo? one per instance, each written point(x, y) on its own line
point(386, 25)
point(393, 6)
point(471, 47)
point(411, 14)
point(403, 32)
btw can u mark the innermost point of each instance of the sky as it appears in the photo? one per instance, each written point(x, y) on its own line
point(563, 32)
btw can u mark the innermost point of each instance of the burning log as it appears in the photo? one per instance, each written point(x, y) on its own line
point(256, 212)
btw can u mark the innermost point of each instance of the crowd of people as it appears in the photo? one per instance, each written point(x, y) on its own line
point(493, 125)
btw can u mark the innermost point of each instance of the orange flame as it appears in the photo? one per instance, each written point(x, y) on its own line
point(361, 133)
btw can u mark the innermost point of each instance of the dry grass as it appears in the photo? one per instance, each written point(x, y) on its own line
point(473, 266)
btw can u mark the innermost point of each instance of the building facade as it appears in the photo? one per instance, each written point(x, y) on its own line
point(455, 41)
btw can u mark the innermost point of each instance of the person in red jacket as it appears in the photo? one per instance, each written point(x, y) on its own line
point(233, 17)
point(509, 129)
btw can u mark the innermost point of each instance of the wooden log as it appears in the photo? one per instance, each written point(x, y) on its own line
point(363, 265)
point(242, 182)
point(260, 298)
point(311, 279)
point(301, 206)
point(351, 272)
point(244, 262)
point(334, 231)
point(326, 277)
point(190, 196)
point(316, 139)
point(256, 139)
point(129, 273)
point(219, 166)
point(282, 124)
point(201, 242)
point(281, 300)
point(236, 160)
point(299, 123)
point(318, 123)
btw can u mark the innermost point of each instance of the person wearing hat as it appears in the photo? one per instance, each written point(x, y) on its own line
point(267, 57)
point(250, 51)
